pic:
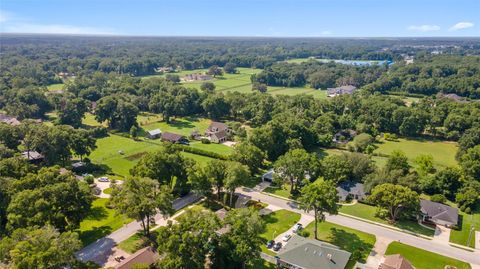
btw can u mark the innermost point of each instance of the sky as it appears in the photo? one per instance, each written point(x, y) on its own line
point(271, 18)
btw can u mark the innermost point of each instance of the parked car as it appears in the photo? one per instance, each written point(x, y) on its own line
point(103, 179)
point(286, 237)
point(270, 244)
point(297, 227)
point(277, 246)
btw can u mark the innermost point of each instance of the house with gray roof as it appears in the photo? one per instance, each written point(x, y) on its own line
point(152, 134)
point(348, 89)
point(174, 138)
point(304, 253)
point(438, 213)
point(350, 189)
point(218, 132)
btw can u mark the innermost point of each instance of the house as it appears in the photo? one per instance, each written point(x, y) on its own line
point(174, 138)
point(438, 213)
point(304, 253)
point(395, 261)
point(348, 89)
point(451, 96)
point(218, 132)
point(32, 156)
point(351, 189)
point(153, 134)
point(268, 176)
point(9, 120)
point(344, 136)
point(144, 256)
point(196, 77)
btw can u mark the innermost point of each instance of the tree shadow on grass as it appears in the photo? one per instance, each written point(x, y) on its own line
point(181, 124)
point(90, 236)
point(352, 243)
point(97, 213)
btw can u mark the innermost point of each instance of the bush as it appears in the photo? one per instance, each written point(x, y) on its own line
point(205, 141)
point(304, 233)
point(88, 179)
point(99, 132)
point(438, 198)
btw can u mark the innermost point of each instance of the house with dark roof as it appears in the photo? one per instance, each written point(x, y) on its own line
point(352, 190)
point(174, 138)
point(395, 261)
point(153, 134)
point(304, 253)
point(348, 89)
point(268, 176)
point(438, 213)
point(145, 256)
point(218, 132)
point(32, 156)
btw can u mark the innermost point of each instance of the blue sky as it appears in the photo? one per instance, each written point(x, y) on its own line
point(306, 18)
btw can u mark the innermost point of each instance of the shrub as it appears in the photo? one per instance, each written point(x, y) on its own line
point(205, 141)
point(99, 132)
point(200, 152)
point(88, 179)
point(438, 198)
point(303, 233)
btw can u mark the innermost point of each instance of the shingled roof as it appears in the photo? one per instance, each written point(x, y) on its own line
point(395, 261)
point(438, 211)
point(172, 137)
point(216, 126)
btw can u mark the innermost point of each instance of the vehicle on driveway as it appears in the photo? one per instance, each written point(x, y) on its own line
point(297, 227)
point(270, 244)
point(277, 246)
point(286, 237)
point(103, 179)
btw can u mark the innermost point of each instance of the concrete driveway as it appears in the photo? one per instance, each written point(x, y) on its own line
point(105, 185)
point(442, 234)
point(304, 220)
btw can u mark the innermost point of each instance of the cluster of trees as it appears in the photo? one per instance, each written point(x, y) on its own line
point(318, 75)
point(429, 75)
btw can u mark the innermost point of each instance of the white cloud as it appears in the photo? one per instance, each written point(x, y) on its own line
point(462, 25)
point(326, 32)
point(55, 29)
point(424, 28)
point(4, 16)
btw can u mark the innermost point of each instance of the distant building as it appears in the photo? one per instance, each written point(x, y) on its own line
point(218, 132)
point(165, 69)
point(9, 120)
point(344, 136)
point(268, 176)
point(153, 134)
point(438, 213)
point(32, 156)
point(349, 89)
point(174, 138)
point(304, 253)
point(145, 256)
point(353, 189)
point(395, 261)
point(197, 77)
point(452, 96)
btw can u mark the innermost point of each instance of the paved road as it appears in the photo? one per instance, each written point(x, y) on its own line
point(102, 248)
point(430, 245)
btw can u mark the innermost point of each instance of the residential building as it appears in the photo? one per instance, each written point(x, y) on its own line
point(197, 77)
point(348, 89)
point(350, 189)
point(9, 120)
point(145, 256)
point(153, 134)
point(268, 176)
point(32, 156)
point(304, 253)
point(395, 261)
point(438, 213)
point(218, 132)
point(174, 138)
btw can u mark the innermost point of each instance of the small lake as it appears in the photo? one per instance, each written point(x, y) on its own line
point(356, 62)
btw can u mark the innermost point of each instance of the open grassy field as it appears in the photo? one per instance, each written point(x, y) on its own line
point(276, 223)
point(368, 212)
point(183, 126)
point(346, 238)
point(55, 87)
point(443, 152)
point(423, 259)
point(100, 222)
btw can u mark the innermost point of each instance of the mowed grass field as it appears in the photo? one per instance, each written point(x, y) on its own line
point(443, 152)
point(422, 259)
point(55, 87)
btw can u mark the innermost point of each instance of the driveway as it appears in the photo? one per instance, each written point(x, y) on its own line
point(304, 220)
point(377, 230)
point(442, 235)
point(105, 185)
point(378, 252)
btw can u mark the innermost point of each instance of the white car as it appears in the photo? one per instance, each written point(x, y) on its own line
point(297, 227)
point(103, 179)
point(286, 237)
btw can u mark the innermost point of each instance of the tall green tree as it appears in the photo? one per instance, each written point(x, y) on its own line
point(249, 155)
point(237, 175)
point(295, 165)
point(321, 197)
point(395, 199)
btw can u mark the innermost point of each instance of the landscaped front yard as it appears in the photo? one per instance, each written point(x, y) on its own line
point(368, 212)
point(346, 238)
point(423, 259)
point(101, 221)
point(276, 223)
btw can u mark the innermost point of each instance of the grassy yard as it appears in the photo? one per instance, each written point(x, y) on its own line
point(466, 222)
point(423, 259)
point(55, 87)
point(100, 222)
point(368, 212)
point(346, 238)
point(276, 223)
point(282, 191)
point(262, 264)
point(443, 152)
point(183, 126)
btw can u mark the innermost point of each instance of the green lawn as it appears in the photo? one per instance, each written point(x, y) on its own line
point(423, 259)
point(100, 222)
point(368, 212)
point(55, 87)
point(107, 191)
point(276, 223)
point(282, 191)
point(442, 152)
point(262, 264)
point(183, 126)
point(346, 238)
point(461, 236)
point(90, 120)
point(218, 148)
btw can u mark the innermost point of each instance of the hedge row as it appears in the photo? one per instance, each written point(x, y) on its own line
point(200, 152)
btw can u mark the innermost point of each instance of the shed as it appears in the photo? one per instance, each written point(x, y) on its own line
point(153, 134)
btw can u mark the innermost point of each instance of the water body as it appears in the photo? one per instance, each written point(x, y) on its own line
point(356, 62)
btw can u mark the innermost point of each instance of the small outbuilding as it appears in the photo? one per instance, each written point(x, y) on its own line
point(153, 134)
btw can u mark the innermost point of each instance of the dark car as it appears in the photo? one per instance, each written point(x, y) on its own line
point(277, 246)
point(270, 244)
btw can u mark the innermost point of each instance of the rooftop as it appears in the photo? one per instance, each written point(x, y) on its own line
point(395, 261)
point(438, 211)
